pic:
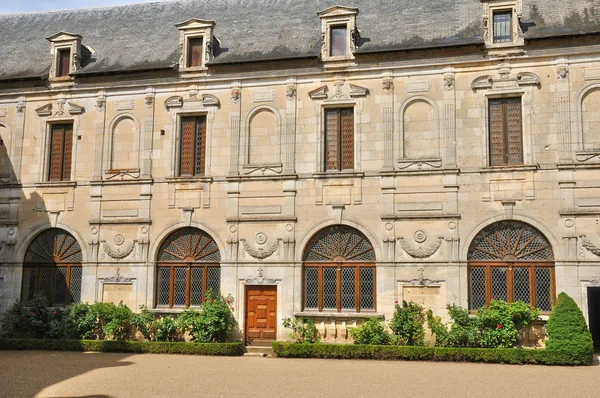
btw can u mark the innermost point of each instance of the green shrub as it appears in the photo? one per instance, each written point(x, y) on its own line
point(101, 321)
point(568, 332)
point(523, 314)
point(463, 331)
point(213, 323)
point(371, 332)
point(496, 326)
point(224, 349)
point(28, 320)
point(302, 330)
point(407, 324)
point(439, 330)
point(391, 352)
point(157, 327)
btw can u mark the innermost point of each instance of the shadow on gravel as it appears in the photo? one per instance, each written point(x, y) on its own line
point(27, 373)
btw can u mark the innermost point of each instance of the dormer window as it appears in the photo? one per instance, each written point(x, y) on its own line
point(195, 40)
point(67, 56)
point(502, 29)
point(503, 26)
point(64, 62)
point(340, 36)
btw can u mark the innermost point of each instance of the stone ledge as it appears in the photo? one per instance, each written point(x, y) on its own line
point(421, 216)
point(511, 168)
point(339, 315)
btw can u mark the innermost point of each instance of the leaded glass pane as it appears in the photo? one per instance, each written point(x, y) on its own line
point(510, 241)
point(46, 282)
point(52, 246)
point(311, 288)
point(76, 284)
point(477, 289)
point(164, 286)
point(196, 291)
point(337, 243)
point(189, 244)
point(521, 285)
point(348, 288)
point(60, 286)
point(214, 279)
point(502, 27)
point(543, 288)
point(330, 288)
point(367, 288)
point(180, 286)
point(28, 289)
point(499, 283)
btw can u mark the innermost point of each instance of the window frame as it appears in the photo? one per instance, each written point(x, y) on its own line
point(333, 28)
point(188, 281)
point(60, 72)
point(503, 39)
point(67, 150)
point(189, 54)
point(190, 30)
point(203, 149)
point(340, 140)
point(54, 266)
point(532, 265)
point(505, 133)
point(339, 285)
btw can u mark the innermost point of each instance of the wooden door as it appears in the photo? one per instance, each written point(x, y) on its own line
point(261, 313)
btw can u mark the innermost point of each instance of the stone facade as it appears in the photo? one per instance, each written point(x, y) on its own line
point(420, 190)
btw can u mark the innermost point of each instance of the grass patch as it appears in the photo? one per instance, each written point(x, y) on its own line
point(222, 349)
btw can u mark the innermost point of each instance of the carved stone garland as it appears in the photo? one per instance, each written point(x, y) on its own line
point(420, 251)
point(589, 245)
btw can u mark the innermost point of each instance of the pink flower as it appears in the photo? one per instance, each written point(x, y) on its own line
point(499, 326)
point(232, 309)
point(30, 313)
point(421, 309)
point(203, 299)
point(228, 301)
point(121, 302)
point(396, 302)
point(54, 313)
point(211, 301)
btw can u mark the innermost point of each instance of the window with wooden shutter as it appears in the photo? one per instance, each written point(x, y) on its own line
point(193, 146)
point(506, 137)
point(61, 152)
point(195, 46)
point(64, 63)
point(339, 139)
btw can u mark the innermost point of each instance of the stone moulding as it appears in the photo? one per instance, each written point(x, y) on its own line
point(119, 253)
point(586, 156)
point(406, 163)
point(320, 93)
point(260, 253)
point(421, 251)
point(174, 102)
point(589, 245)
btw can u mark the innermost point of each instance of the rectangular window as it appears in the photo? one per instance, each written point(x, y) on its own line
point(193, 146)
point(338, 40)
point(339, 139)
point(506, 138)
point(61, 149)
point(503, 27)
point(195, 47)
point(185, 285)
point(64, 63)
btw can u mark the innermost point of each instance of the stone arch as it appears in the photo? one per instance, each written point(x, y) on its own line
point(123, 143)
point(589, 118)
point(23, 245)
point(263, 136)
point(420, 132)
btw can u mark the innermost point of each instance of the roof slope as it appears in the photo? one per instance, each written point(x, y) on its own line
point(144, 36)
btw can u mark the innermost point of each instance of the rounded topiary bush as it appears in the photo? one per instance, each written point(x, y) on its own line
point(568, 333)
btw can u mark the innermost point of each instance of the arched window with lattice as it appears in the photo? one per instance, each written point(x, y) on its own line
point(188, 265)
point(52, 267)
point(339, 271)
point(511, 261)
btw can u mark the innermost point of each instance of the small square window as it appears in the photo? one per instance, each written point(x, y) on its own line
point(63, 63)
point(339, 37)
point(195, 48)
point(503, 26)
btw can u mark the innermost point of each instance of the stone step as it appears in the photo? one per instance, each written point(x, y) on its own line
point(258, 351)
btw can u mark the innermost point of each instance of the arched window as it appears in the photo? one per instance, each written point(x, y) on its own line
point(511, 261)
point(188, 265)
point(339, 271)
point(52, 267)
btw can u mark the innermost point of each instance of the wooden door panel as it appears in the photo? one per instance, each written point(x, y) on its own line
point(261, 313)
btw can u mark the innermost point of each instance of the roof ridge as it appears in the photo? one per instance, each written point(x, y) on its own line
point(63, 10)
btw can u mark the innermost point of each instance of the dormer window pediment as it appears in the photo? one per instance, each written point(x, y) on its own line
point(339, 35)
point(502, 26)
point(196, 44)
point(67, 54)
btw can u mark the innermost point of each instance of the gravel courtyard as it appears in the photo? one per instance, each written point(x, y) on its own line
point(66, 374)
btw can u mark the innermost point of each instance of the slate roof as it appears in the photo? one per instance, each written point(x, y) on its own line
point(144, 36)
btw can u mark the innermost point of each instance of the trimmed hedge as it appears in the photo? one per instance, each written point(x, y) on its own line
point(516, 356)
point(222, 349)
